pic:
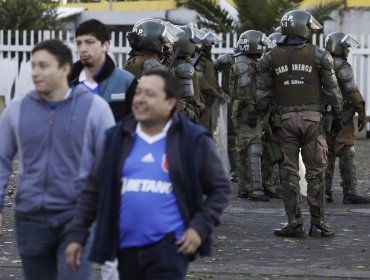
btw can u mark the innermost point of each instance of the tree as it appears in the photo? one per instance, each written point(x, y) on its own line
point(210, 15)
point(322, 12)
point(263, 15)
point(260, 15)
point(29, 15)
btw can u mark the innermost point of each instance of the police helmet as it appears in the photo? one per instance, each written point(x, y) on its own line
point(252, 42)
point(338, 43)
point(185, 46)
point(150, 34)
point(299, 23)
point(274, 38)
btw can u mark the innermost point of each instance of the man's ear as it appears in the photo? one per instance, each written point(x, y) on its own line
point(67, 68)
point(172, 102)
point(105, 46)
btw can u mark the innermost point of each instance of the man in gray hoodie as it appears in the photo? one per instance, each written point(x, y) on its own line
point(57, 132)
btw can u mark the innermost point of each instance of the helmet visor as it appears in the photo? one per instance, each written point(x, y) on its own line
point(314, 24)
point(197, 35)
point(349, 42)
point(211, 38)
point(134, 29)
point(171, 33)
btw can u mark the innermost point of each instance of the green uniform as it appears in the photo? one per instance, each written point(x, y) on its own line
point(247, 126)
point(190, 97)
point(209, 88)
point(297, 78)
point(342, 145)
point(223, 64)
point(142, 62)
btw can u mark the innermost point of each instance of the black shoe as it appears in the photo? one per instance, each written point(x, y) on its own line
point(289, 231)
point(273, 192)
point(355, 199)
point(258, 195)
point(243, 194)
point(323, 230)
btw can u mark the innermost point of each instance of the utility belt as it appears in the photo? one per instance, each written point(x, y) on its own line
point(299, 108)
point(275, 117)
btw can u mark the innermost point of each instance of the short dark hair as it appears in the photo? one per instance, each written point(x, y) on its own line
point(95, 28)
point(58, 49)
point(172, 86)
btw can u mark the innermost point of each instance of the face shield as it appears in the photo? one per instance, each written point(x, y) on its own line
point(211, 38)
point(171, 33)
point(197, 35)
point(313, 24)
point(349, 42)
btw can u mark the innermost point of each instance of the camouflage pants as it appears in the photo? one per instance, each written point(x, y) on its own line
point(336, 147)
point(246, 136)
point(270, 170)
point(231, 138)
point(301, 130)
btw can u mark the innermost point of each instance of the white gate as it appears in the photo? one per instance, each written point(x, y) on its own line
point(15, 71)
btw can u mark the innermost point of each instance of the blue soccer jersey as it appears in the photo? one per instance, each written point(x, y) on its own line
point(149, 209)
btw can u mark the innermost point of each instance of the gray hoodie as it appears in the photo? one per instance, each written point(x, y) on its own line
point(56, 149)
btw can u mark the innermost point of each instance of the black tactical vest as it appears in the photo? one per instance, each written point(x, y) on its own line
point(296, 79)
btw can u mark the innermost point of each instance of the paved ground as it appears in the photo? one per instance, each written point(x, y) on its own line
point(245, 247)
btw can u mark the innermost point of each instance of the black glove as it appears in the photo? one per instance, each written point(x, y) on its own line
point(336, 127)
point(252, 119)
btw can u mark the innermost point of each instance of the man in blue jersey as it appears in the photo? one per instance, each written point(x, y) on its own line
point(97, 71)
point(146, 189)
point(56, 132)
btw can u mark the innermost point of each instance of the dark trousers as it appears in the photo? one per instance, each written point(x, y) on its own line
point(41, 247)
point(159, 261)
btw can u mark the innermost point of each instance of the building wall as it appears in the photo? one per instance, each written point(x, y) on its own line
point(353, 21)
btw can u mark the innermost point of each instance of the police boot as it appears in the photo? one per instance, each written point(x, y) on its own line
point(256, 192)
point(316, 201)
point(321, 230)
point(329, 172)
point(292, 201)
point(243, 192)
point(273, 191)
point(271, 183)
point(347, 167)
point(291, 231)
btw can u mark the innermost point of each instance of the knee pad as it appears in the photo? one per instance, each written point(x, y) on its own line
point(348, 152)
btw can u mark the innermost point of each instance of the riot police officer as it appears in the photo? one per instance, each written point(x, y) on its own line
point(147, 39)
point(342, 145)
point(223, 64)
point(296, 77)
point(208, 84)
point(191, 103)
point(269, 165)
point(247, 125)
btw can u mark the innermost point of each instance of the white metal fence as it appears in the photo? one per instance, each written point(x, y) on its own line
point(15, 67)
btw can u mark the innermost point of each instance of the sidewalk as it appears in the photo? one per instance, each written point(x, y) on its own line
point(245, 247)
